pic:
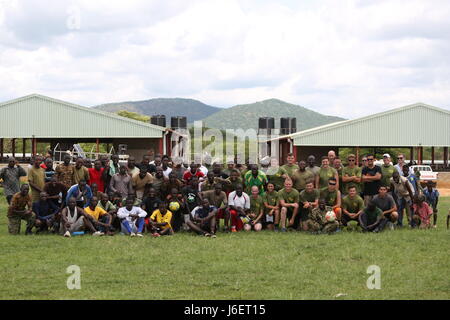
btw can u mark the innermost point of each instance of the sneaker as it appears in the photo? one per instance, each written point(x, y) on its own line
point(67, 234)
point(98, 234)
point(283, 230)
point(233, 229)
point(139, 234)
point(132, 234)
point(213, 235)
point(156, 235)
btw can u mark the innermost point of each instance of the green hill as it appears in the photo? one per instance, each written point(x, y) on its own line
point(170, 107)
point(246, 115)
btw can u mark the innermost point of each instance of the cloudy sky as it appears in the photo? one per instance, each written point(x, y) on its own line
point(347, 58)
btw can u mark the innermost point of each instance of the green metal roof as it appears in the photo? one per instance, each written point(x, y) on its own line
point(44, 117)
point(410, 126)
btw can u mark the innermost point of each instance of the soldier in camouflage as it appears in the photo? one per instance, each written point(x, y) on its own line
point(17, 211)
point(317, 223)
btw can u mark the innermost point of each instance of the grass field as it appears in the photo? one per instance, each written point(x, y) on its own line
point(414, 264)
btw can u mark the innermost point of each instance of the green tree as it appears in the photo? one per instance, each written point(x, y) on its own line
point(133, 115)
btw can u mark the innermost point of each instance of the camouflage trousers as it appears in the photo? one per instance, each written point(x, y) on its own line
point(328, 227)
point(15, 218)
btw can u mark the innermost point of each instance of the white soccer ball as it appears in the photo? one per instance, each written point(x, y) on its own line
point(330, 216)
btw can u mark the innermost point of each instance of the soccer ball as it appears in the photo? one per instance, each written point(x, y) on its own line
point(174, 206)
point(330, 216)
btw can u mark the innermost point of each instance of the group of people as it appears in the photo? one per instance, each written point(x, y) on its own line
point(161, 197)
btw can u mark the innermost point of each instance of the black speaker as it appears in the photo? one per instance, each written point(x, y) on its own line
point(266, 125)
point(178, 123)
point(159, 120)
point(288, 125)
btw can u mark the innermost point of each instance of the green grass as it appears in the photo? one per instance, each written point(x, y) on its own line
point(414, 265)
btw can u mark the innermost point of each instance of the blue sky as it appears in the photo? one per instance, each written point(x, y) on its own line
point(347, 58)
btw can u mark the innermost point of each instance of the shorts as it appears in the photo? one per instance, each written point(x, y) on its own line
point(220, 213)
point(268, 219)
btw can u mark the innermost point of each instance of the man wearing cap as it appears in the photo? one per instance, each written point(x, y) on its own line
point(387, 170)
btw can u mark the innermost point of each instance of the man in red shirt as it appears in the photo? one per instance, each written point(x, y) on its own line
point(193, 172)
point(97, 175)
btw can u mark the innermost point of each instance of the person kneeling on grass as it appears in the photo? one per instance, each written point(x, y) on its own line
point(17, 211)
point(422, 212)
point(46, 212)
point(132, 218)
point(372, 218)
point(352, 206)
point(317, 221)
point(99, 218)
point(204, 219)
point(256, 211)
point(74, 219)
point(160, 221)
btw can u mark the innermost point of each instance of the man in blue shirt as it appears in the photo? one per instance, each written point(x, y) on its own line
point(46, 212)
point(204, 219)
point(81, 192)
point(412, 179)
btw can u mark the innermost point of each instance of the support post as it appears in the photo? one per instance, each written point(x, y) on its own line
point(161, 146)
point(34, 146)
point(97, 142)
point(24, 145)
point(1, 148)
point(13, 147)
point(432, 156)
point(411, 154)
point(445, 157)
point(357, 156)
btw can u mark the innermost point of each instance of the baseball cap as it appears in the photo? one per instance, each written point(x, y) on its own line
point(386, 155)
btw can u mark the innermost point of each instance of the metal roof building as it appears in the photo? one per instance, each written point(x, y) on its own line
point(413, 126)
point(45, 119)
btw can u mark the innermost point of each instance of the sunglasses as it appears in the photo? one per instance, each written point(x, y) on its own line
point(332, 184)
point(400, 158)
point(351, 160)
point(369, 159)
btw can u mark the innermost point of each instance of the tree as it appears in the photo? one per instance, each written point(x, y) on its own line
point(133, 115)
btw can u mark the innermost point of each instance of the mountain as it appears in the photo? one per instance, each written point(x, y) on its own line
point(246, 115)
point(170, 107)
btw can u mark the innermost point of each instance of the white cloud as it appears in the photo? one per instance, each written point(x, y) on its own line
point(346, 58)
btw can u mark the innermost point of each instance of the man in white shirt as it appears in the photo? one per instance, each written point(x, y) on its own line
point(132, 219)
point(239, 205)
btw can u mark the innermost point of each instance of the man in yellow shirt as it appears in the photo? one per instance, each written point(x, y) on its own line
point(99, 218)
point(160, 221)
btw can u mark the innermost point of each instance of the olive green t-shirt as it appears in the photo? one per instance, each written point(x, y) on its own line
point(329, 196)
point(351, 172)
point(309, 196)
point(300, 178)
point(289, 170)
point(324, 175)
point(289, 197)
point(271, 198)
point(386, 174)
point(256, 204)
point(353, 205)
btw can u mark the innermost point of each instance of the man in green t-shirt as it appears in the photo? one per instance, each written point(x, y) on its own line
point(289, 168)
point(351, 175)
point(332, 197)
point(352, 206)
point(256, 211)
point(289, 199)
point(271, 207)
point(325, 173)
point(301, 176)
point(387, 170)
point(309, 198)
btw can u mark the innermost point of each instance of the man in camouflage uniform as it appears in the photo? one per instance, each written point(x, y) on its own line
point(317, 222)
point(17, 211)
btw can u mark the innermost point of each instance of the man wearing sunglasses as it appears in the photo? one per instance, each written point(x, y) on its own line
point(371, 177)
point(332, 197)
point(351, 175)
point(400, 163)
